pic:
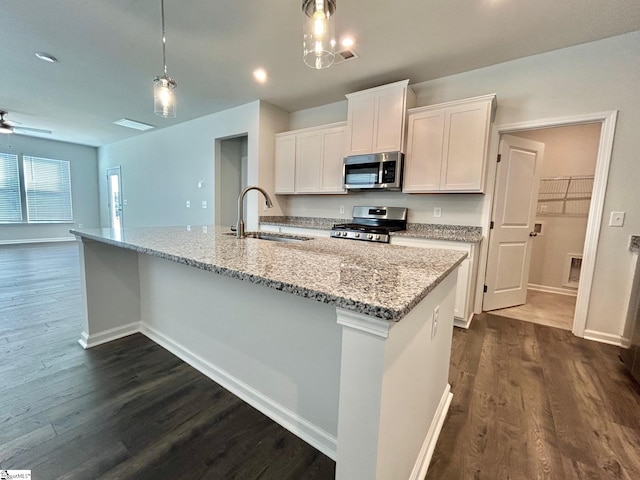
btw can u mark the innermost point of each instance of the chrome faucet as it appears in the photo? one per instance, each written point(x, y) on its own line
point(240, 224)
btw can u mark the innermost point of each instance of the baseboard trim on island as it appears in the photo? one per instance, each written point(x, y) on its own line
point(297, 425)
point(429, 445)
point(89, 341)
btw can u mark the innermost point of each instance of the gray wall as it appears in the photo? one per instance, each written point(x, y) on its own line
point(593, 77)
point(84, 186)
point(161, 169)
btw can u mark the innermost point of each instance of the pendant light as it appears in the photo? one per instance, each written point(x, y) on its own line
point(164, 101)
point(319, 43)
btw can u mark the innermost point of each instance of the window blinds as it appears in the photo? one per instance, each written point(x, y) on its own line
point(10, 202)
point(47, 186)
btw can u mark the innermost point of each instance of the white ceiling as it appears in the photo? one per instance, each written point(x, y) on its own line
point(110, 50)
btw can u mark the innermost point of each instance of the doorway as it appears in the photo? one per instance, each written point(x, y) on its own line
point(231, 171)
point(114, 189)
point(560, 223)
point(606, 121)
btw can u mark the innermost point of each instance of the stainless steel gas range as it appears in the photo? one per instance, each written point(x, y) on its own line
point(372, 224)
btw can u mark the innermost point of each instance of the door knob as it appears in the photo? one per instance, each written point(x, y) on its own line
point(533, 234)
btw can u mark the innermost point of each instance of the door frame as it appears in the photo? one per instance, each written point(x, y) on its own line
point(594, 221)
point(119, 170)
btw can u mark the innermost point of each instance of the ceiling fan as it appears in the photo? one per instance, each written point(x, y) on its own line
point(8, 127)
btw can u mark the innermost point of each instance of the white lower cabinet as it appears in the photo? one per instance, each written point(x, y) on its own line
point(309, 160)
point(467, 273)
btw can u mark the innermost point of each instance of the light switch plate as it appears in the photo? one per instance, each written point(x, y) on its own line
point(204, 204)
point(616, 219)
point(188, 204)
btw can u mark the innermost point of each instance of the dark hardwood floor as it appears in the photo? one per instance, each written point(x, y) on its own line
point(536, 402)
point(529, 401)
point(124, 410)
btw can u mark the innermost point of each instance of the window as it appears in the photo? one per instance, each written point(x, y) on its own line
point(47, 184)
point(10, 198)
point(36, 189)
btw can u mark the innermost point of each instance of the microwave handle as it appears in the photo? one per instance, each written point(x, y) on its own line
point(380, 172)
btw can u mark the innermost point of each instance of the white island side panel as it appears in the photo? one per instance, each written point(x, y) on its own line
point(279, 352)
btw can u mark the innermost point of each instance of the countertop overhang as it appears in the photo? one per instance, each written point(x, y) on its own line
point(379, 280)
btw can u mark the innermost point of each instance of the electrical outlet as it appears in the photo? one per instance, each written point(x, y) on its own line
point(617, 219)
point(437, 212)
point(80, 225)
point(434, 324)
point(188, 204)
point(125, 202)
point(204, 229)
point(204, 204)
point(188, 228)
point(341, 208)
point(201, 184)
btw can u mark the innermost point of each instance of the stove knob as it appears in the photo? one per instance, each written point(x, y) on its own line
point(377, 237)
point(370, 237)
point(344, 234)
point(357, 235)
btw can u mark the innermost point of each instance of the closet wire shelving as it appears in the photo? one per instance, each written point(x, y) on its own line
point(565, 196)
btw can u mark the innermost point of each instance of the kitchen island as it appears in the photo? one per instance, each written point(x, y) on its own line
point(333, 339)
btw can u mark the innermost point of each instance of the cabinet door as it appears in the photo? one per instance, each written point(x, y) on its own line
point(332, 159)
point(360, 125)
point(285, 164)
point(309, 162)
point(466, 128)
point(389, 121)
point(422, 169)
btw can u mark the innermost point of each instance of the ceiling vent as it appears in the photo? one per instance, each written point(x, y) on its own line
point(125, 122)
point(344, 56)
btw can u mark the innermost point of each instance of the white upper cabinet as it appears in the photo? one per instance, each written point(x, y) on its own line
point(310, 160)
point(447, 146)
point(376, 118)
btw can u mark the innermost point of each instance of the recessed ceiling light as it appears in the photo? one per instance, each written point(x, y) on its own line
point(260, 75)
point(347, 42)
point(46, 57)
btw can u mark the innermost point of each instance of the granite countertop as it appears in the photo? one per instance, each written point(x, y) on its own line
point(429, 231)
point(380, 280)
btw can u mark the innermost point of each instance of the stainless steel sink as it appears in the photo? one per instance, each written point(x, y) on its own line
point(274, 237)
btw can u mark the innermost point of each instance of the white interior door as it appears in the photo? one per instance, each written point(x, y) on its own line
point(114, 184)
point(514, 208)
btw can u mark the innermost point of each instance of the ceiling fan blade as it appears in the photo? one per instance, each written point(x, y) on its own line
point(31, 130)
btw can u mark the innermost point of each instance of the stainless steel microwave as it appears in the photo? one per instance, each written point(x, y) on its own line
point(382, 171)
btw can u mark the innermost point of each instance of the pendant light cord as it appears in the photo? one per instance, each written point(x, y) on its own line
point(164, 40)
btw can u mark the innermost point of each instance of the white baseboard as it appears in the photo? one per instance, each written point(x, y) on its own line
point(428, 446)
point(89, 341)
point(571, 292)
point(460, 323)
point(608, 338)
point(37, 240)
point(297, 425)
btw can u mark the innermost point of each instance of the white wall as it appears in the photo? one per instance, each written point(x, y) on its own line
point(83, 162)
point(568, 151)
point(594, 77)
point(161, 169)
